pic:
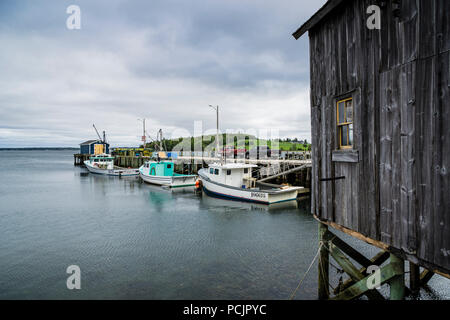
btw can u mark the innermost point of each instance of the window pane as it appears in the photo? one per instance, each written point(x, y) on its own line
point(216, 171)
point(341, 110)
point(344, 130)
point(350, 134)
point(349, 111)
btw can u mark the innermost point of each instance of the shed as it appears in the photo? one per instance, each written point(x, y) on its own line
point(380, 121)
point(94, 147)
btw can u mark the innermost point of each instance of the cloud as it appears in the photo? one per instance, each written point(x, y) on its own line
point(162, 60)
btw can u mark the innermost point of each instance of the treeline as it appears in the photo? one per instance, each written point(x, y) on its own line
point(239, 141)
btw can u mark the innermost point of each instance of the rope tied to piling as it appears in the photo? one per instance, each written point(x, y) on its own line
point(309, 268)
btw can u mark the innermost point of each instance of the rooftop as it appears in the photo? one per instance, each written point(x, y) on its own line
point(91, 142)
point(317, 17)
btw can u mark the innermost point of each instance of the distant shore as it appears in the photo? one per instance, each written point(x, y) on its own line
point(38, 148)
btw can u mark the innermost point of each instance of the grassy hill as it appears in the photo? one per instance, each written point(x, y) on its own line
point(239, 141)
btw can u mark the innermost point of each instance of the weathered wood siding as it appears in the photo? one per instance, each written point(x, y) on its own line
point(398, 190)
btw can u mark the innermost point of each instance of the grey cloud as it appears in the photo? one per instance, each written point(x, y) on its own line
point(164, 60)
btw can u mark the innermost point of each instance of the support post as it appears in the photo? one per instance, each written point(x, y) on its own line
point(323, 264)
point(414, 277)
point(397, 283)
point(425, 276)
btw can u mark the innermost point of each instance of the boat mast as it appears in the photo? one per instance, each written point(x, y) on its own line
point(217, 131)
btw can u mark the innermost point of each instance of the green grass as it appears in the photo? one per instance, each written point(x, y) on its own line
point(240, 141)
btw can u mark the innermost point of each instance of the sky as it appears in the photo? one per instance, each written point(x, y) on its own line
point(164, 61)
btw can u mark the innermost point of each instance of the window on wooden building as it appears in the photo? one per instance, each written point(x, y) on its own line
point(344, 114)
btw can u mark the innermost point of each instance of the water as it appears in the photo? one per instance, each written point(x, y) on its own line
point(137, 241)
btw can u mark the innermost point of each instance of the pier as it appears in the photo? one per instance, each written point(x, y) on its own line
point(293, 167)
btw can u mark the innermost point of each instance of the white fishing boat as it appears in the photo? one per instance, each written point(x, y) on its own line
point(104, 164)
point(162, 173)
point(234, 181)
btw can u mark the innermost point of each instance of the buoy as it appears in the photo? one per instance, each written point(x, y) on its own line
point(198, 184)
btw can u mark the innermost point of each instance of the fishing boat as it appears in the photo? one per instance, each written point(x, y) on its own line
point(234, 181)
point(104, 164)
point(162, 173)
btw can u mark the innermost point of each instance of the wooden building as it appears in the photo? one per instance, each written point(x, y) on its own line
point(94, 147)
point(380, 116)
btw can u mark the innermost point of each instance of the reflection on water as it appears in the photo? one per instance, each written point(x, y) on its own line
point(138, 241)
point(208, 201)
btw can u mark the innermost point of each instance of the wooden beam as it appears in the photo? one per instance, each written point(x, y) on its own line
point(355, 234)
point(358, 289)
point(377, 260)
point(352, 271)
point(383, 246)
point(425, 276)
point(351, 252)
point(397, 283)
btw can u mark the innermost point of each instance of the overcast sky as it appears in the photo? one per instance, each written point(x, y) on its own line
point(160, 60)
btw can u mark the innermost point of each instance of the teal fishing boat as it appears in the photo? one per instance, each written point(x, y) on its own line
point(162, 173)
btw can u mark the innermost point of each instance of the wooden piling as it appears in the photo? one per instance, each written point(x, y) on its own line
point(323, 271)
point(397, 283)
point(414, 277)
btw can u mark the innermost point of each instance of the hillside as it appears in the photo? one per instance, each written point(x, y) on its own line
point(240, 141)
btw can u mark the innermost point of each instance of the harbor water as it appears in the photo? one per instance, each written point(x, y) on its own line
point(136, 241)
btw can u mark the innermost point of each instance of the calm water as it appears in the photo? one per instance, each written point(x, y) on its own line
point(136, 241)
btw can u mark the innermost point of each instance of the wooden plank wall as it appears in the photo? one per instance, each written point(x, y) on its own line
point(398, 77)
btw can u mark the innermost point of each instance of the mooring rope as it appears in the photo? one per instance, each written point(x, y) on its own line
point(304, 276)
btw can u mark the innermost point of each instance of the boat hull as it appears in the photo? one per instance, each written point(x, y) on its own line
point(112, 172)
point(170, 181)
point(248, 195)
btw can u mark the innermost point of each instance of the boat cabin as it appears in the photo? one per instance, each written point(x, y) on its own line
point(162, 168)
point(232, 174)
point(102, 161)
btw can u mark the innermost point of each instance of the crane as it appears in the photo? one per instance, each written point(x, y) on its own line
point(98, 133)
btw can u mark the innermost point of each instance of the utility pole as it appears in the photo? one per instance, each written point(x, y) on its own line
point(143, 132)
point(217, 127)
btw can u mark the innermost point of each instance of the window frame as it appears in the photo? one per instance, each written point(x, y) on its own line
point(345, 123)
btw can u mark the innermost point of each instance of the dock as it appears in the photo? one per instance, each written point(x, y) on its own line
point(293, 167)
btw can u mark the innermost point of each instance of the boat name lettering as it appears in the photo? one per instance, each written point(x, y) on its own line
point(257, 195)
